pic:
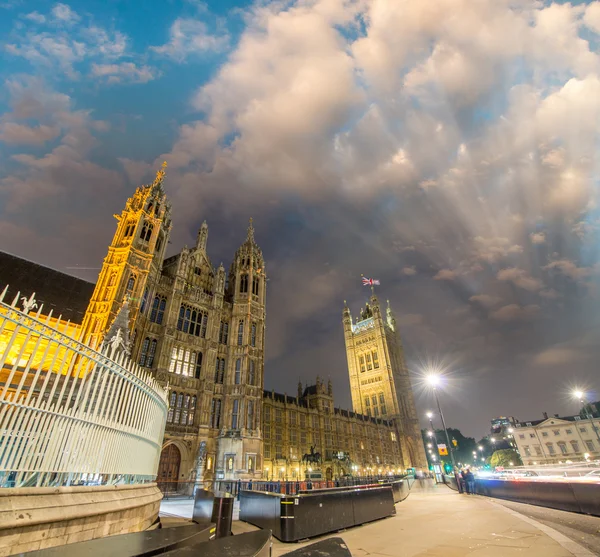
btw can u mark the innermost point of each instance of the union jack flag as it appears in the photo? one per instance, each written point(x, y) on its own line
point(370, 282)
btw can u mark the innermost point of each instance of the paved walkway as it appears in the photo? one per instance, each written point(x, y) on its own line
point(439, 522)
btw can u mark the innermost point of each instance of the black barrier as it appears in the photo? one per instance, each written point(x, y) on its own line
point(566, 496)
point(216, 508)
point(450, 481)
point(250, 544)
point(138, 544)
point(293, 518)
point(333, 547)
point(400, 489)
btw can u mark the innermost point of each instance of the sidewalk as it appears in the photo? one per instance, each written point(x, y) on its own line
point(436, 522)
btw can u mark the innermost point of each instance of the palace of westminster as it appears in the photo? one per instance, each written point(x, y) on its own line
point(202, 331)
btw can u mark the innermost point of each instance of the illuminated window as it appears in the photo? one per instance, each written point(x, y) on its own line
point(392, 436)
point(185, 362)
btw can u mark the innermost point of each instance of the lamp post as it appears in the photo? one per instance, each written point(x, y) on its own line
point(580, 395)
point(434, 381)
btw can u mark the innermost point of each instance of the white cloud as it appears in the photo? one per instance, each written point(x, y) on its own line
point(538, 238)
point(520, 278)
point(36, 17)
point(188, 37)
point(124, 72)
point(21, 134)
point(445, 274)
point(64, 14)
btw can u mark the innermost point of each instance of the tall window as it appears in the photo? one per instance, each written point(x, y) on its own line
point(369, 365)
point(223, 332)
point(172, 401)
point(198, 371)
point(375, 360)
point(192, 321)
point(146, 232)
point(240, 332)
point(144, 301)
point(255, 285)
point(219, 370)
point(250, 415)
point(178, 408)
point(159, 242)
point(151, 353)
point(234, 417)
point(251, 373)
point(253, 335)
point(238, 371)
point(215, 417)
point(185, 409)
point(243, 283)
point(382, 404)
point(575, 445)
point(129, 229)
point(130, 284)
point(185, 362)
point(361, 361)
point(158, 309)
point(144, 352)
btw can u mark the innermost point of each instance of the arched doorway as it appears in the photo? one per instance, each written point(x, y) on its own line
point(168, 468)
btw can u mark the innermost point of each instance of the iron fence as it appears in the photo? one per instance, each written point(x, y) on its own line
point(71, 415)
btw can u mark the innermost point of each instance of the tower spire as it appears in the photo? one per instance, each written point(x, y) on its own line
point(160, 176)
point(250, 236)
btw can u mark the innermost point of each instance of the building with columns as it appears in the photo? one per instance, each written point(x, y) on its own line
point(201, 331)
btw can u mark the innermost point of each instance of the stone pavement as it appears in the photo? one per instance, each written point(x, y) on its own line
point(440, 522)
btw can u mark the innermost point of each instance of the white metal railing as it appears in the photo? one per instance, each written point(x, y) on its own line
point(71, 415)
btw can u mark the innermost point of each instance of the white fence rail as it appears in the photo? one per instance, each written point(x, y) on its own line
point(71, 415)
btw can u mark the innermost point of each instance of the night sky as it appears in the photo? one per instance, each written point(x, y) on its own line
point(447, 148)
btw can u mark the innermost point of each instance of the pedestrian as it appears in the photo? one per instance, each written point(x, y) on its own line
point(463, 481)
point(470, 479)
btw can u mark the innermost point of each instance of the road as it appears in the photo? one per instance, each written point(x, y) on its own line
point(581, 528)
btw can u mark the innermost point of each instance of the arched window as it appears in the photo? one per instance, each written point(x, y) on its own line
point(251, 373)
point(144, 352)
point(255, 283)
point(146, 232)
point(172, 400)
point(238, 371)
point(144, 300)
point(184, 410)
point(240, 332)
point(223, 332)
point(192, 321)
point(220, 370)
point(243, 283)
point(151, 353)
point(178, 408)
point(130, 284)
point(215, 415)
point(198, 370)
point(159, 242)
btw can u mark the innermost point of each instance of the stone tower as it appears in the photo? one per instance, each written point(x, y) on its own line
point(379, 380)
point(134, 259)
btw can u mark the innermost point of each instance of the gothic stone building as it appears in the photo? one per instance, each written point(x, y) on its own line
point(202, 331)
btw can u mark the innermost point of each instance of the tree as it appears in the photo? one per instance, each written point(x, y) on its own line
point(506, 458)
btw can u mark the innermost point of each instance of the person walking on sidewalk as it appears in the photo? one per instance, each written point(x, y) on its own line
point(470, 481)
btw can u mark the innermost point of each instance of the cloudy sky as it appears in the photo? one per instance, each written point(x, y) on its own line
point(445, 147)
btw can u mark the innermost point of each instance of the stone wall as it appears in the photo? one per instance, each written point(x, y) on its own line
point(39, 517)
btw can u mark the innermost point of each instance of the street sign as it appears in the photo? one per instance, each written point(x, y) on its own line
point(443, 450)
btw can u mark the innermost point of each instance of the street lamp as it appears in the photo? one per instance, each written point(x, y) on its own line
point(580, 395)
point(435, 381)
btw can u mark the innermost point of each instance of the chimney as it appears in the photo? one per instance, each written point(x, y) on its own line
point(545, 415)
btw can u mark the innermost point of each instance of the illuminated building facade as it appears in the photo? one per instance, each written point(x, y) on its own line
point(379, 380)
point(201, 331)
